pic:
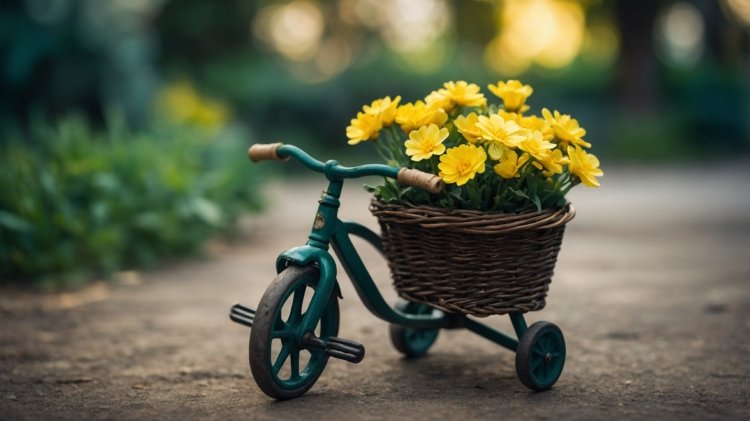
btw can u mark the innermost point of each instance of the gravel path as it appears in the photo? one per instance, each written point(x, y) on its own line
point(652, 291)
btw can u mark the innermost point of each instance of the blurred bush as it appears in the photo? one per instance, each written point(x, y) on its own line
point(77, 203)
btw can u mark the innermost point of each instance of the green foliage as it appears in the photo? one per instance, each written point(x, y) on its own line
point(75, 203)
point(488, 193)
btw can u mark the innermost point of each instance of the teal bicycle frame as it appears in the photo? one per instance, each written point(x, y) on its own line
point(329, 231)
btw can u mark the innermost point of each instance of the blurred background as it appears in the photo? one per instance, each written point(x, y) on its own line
point(123, 123)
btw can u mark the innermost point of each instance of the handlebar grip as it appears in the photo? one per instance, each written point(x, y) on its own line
point(420, 179)
point(265, 152)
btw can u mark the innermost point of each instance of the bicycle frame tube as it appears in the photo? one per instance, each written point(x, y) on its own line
point(327, 230)
point(365, 286)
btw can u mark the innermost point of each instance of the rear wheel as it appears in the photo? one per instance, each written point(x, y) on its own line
point(412, 342)
point(280, 367)
point(540, 356)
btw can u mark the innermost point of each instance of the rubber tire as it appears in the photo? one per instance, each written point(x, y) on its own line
point(269, 308)
point(403, 338)
point(526, 357)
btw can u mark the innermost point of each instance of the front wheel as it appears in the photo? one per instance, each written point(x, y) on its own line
point(412, 342)
point(540, 356)
point(280, 367)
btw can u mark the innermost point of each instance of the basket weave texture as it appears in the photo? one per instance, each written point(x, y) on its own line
point(471, 262)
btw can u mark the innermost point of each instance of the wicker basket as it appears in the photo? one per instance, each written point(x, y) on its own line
point(471, 262)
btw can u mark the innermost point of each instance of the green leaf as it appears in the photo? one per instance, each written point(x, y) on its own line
point(537, 203)
point(207, 210)
point(14, 222)
point(518, 193)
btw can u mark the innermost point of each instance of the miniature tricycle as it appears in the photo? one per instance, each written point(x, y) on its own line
point(294, 332)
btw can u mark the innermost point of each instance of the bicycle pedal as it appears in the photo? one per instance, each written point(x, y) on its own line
point(343, 349)
point(242, 314)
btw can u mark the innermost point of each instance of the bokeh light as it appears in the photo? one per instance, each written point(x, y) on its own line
point(294, 29)
point(414, 29)
point(680, 34)
point(601, 44)
point(413, 25)
point(549, 33)
point(740, 9)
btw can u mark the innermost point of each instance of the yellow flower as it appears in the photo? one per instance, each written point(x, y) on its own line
point(553, 162)
point(413, 116)
point(180, 103)
point(498, 133)
point(566, 129)
point(364, 127)
point(584, 166)
point(461, 164)
point(425, 142)
point(457, 93)
point(436, 99)
point(510, 116)
point(513, 93)
point(467, 125)
point(510, 164)
point(536, 146)
point(384, 108)
point(533, 122)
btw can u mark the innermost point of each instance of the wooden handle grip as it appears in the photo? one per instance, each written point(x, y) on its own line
point(420, 179)
point(264, 152)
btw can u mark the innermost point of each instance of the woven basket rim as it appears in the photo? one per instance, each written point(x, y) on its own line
point(471, 221)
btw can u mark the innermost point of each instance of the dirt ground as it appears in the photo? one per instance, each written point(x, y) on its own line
point(652, 292)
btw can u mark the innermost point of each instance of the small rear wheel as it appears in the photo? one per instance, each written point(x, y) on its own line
point(280, 367)
point(412, 342)
point(540, 356)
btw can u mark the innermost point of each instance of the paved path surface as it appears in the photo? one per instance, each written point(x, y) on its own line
point(652, 291)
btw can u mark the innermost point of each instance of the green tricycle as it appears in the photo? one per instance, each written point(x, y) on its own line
point(294, 328)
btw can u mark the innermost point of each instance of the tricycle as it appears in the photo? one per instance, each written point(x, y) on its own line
point(295, 326)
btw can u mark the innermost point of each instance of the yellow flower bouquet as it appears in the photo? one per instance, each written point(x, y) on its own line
point(488, 242)
point(490, 157)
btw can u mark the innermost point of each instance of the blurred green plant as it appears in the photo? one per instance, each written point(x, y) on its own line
point(76, 203)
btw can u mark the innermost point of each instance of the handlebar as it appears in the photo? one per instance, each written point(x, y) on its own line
point(406, 176)
point(265, 152)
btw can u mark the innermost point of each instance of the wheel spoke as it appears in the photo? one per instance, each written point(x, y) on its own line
point(283, 354)
point(279, 325)
point(279, 329)
point(539, 369)
point(295, 362)
point(280, 334)
point(539, 352)
point(295, 313)
point(546, 341)
point(535, 363)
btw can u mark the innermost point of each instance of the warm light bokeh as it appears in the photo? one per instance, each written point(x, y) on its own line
point(420, 34)
point(740, 9)
point(549, 33)
point(294, 29)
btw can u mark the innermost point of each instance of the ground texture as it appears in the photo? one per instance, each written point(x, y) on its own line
point(652, 292)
